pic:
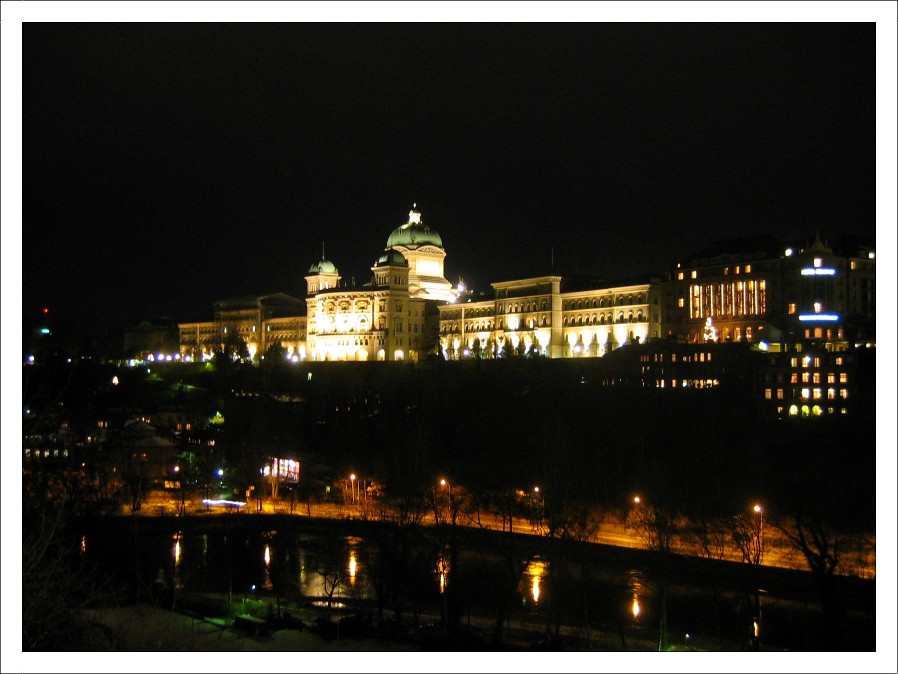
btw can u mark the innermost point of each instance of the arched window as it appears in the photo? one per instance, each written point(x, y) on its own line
point(748, 334)
point(630, 317)
point(601, 319)
point(639, 299)
point(602, 302)
point(620, 317)
point(564, 322)
point(629, 299)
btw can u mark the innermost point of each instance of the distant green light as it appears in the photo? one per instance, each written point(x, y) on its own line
point(45, 331)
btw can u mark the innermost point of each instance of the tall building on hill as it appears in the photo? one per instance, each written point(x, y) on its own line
point(778, 296)
point(392, 317)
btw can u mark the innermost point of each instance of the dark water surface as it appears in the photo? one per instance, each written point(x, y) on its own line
point(584, 588)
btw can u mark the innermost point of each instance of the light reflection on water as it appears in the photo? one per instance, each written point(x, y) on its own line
point(636, 588)
point(537, 569)
point(442, 572)
point(176, 554)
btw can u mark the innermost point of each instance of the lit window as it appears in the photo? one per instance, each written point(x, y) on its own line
point(793, 410)
point(818, 261)
point(694, 274)
point(831, 394)
point(679, 276)
point(768, 394)
point(681, 302)
point(844, 393)
point(843, 377)
point(791, 307)
point(748, 269)
point(779, 394)
point(805, 393)
point(817, 394)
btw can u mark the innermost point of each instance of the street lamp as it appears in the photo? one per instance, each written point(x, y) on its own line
point(759, 556)
point(759, 512)
point(352, 486)
point(447, 581)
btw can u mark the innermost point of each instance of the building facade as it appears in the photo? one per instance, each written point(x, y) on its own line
point(554, 317)
point(392, 317)
point(758, 289)
point(779, 297)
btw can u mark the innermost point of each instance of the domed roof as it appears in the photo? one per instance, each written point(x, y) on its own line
point(392, 258)
point(414, 233)
point(323, 267)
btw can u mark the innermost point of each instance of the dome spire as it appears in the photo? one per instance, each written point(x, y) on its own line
point(414, 215)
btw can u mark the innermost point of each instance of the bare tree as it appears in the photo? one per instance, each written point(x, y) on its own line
point(824, 548)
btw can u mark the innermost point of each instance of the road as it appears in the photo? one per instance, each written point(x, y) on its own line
point(778, 552)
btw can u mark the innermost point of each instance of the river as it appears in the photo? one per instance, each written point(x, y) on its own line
point(589, 592)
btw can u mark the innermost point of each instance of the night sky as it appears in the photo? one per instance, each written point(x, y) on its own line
point(166, 165)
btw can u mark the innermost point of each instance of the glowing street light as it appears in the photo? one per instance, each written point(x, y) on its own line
point(637, 500)
point(759, 512)
point(352, 486)
point(759, 543)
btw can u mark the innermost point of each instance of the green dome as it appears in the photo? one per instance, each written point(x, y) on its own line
point(414, 234)
point(323, 267)
point(392, 258)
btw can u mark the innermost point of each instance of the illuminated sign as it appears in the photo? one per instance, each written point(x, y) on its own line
point(818, 317)
point(818, 271)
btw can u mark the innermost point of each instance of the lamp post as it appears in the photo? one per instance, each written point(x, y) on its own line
point(759, 513)
point(352, 486)
point(453, 559)
point(759, 556)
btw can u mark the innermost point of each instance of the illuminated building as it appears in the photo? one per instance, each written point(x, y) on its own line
point(392, 317)
point(554, 317)
point(757, 289)
point(753, 290)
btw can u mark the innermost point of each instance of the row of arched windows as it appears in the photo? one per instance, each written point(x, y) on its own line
point(601, 302)
point(602, 319)
point(524, 307)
